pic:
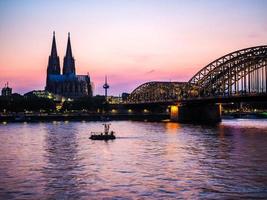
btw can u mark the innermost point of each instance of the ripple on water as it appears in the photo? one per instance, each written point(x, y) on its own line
point(146, 161)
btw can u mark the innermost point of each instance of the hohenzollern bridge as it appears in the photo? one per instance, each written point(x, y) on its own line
point(236, 77)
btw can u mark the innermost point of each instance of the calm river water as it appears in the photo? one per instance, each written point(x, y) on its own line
point(146, 161)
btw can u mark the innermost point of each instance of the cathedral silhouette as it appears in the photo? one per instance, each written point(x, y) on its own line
point(67, 84)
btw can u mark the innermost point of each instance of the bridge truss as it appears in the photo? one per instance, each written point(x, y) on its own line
point(157, 91)
point(240, 73)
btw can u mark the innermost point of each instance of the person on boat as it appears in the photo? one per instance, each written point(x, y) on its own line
point(112, 133)
point(106, 128)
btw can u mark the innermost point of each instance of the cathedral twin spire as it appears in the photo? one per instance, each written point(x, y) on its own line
point(54, 64)
point(53, 61)
point(54, 46)
point(69, 64)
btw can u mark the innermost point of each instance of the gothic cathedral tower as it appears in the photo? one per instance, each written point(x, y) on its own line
point(69, 63)
point(67, 84)
point(53, 66)
point(53, 61)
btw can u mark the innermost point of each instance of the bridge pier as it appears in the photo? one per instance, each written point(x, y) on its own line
point(196, 113)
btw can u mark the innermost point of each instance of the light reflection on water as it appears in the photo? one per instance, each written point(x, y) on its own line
point(146, 161)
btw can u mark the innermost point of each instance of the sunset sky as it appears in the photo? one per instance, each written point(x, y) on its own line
point(131, 41)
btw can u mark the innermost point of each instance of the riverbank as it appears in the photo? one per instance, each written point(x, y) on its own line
point(110, 117)
point(245, 116)
point(82, 117)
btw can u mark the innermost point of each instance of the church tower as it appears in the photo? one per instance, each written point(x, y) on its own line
point(69, 63)
point(67, 84)
point(53, 61)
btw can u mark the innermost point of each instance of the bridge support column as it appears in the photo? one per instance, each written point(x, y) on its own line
point(196, 113)
point(174, 112)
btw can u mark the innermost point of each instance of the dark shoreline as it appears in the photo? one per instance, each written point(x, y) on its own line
point(111, 117)
point(245, 116)
point(92, 117)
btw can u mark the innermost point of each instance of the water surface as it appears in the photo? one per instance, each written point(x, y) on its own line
point(146, 161)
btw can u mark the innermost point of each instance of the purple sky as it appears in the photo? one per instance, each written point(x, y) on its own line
point(131, 41)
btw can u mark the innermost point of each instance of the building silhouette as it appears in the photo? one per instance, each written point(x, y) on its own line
point(6, 91)
point(67, 84)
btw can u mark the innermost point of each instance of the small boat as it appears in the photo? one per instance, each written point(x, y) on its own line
point(106, 135)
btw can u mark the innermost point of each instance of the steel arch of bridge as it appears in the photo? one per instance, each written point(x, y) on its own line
point(240, 73)
point(157, 91)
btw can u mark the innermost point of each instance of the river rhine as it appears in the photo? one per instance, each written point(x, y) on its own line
point(146, 161)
